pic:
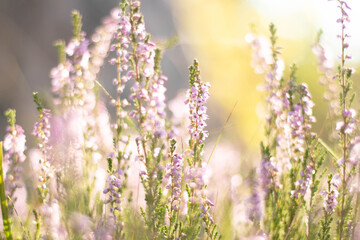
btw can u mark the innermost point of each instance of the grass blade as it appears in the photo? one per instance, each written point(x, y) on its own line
point(221, 131)
point(328, 149)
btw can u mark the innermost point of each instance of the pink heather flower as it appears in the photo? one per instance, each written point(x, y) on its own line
point(61, 82)
point(262, 60)
point(254, 202)
point(197, 97)
point(326, 68)
point(197, 178)
point(299, 120)
point(148, 88)
point(276, 103)
point(67, 134)
point(101, 40)
point(330, 196)
point(349, 125)
point(42, 129)
point(73, 80)
point(302, 184)
point(354, 155)
point(113, 192)
point(14, 143)
point(14, 147)
point(261, 55)
point(173, 177)
point(268, 173)
point(42, 133)
point(325, 64)
point(330, 201)
point(349, 113)
point(51, 214)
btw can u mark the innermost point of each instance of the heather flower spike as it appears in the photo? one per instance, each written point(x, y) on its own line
point(42, 133)
point(14, 147)
point(346, 125)
point(197, 96)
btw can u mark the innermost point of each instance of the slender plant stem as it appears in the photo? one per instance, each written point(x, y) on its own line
point(4, 207)
point(343, 85)
point(356, 211)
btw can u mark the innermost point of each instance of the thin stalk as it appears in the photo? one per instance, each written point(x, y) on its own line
point(222, 130)
point(345, 137)
point(4, 207)
point(105, 91)
point(328, 149)
point(356, 210)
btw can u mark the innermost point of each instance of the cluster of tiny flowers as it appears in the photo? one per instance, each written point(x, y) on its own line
point(330, 196)
point(262, 55)
point(196, 178)
point(263, 61)
point(61, 81)
point(276, 99)
point(268, 173)
point(255, 210)
point(71, 80)
point(102, 39)
point(197, 97)
point(14, 146)
point(173, 178)
point(300, 119)
point(113, 191)
point(148, 91)
point(156, 111)
point(82, 80)
point(326, 68)
point(14, 143)
point(52, 216)
point(344, 18)
point(280, 112)
point(78, 50)
point(348, 125)
point(205, 207)
point(42, 133)
point(121, 48)
point(308, 104)
point(302, 184)
point(42, 130)
point(354, 155)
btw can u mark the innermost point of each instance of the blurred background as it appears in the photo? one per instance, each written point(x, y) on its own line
point(213, 31)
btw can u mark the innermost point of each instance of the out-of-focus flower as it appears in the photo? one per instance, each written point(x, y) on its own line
point(330, 196)
point(173, 178)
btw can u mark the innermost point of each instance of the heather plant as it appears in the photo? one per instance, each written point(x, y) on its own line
point(120, 166)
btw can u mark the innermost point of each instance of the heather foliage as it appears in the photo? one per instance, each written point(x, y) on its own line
point(142, 174)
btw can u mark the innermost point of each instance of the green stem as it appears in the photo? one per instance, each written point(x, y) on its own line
point(4, 207)
point(37, 224)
